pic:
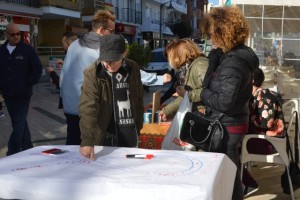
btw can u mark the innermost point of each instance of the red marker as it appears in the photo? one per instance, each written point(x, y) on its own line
point(140, 156)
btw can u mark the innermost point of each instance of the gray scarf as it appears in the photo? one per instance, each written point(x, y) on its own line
point(90, 40)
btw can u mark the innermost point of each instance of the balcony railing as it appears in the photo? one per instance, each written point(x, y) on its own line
point(99, 4)
point(117, 13)
point(50, 50)
point(138, 17)
point(30, 3)
point(65, 4)
point(91, 6)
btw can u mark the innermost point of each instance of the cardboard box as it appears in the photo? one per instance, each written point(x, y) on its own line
point(152, 135)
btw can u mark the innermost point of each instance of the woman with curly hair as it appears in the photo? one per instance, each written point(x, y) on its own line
point(191, 65)
point(228, 87)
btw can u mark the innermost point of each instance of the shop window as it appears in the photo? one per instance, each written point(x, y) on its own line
point(253, 10)
point(272, 28)
point(291, 29)
point(273, 11)
point(291, 12)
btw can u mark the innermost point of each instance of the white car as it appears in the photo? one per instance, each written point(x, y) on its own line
point(159, 63)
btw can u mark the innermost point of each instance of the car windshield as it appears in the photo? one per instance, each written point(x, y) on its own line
point(158, 57)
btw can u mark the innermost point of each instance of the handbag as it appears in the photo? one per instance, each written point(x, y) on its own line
point(202, 132)
point(171, 140)
point(293, 166)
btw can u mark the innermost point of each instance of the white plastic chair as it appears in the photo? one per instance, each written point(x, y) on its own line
point(288, 105)
point(287, 109)
point(281, 157)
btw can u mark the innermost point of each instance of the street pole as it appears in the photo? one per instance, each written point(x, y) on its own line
point(160, 22)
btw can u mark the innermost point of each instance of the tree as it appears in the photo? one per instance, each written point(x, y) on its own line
point(182, 30)
point(140, 54)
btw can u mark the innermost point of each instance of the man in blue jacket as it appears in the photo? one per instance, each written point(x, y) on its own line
point(20, 69)
point(81, 53)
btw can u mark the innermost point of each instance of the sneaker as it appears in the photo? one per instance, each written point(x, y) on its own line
point(2, 114)
point(249, 190)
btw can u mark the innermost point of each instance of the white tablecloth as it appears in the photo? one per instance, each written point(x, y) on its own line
point(169, 175)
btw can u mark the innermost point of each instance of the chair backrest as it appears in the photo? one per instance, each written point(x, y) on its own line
point(291, 122)
point(291, 130)
point(278, 143)
point(287, 106)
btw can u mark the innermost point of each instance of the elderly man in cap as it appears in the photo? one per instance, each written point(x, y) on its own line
point(111, 101)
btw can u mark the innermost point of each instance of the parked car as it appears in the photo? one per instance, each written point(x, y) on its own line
point(159, 64)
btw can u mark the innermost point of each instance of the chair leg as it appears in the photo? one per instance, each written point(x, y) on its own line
point(291, 185)
point(249, 165)
point(242, 169)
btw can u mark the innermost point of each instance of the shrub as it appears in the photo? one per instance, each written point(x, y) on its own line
point(140, 54)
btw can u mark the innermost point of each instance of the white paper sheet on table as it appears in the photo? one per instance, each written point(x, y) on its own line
point(169, 175)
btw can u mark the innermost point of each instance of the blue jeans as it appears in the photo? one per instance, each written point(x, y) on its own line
point(73, 130)
point(20, 138)
point(230, 148)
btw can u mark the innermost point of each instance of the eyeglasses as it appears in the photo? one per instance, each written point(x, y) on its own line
point(112, 31)
point(13, 34)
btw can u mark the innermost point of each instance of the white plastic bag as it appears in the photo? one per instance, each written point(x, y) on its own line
point(171, 140)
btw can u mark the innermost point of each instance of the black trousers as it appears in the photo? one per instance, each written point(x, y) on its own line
point(73, 130)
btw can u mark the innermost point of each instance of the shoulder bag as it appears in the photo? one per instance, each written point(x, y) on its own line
point(202, 132)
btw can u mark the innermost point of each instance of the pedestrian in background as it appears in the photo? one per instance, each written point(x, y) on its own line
point(228, 88)
point(20, 69)
point(151, 79)
point(111, 103)
point(66, 40)
point(81, 53)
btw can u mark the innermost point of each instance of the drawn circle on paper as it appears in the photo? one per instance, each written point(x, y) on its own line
point(163, 164)
point(171, 164)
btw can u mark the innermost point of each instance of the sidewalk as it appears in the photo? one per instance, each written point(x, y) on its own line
point(46, 122)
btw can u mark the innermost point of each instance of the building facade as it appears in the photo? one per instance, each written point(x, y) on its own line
point(144, 21)
point(26, 14)
point(195, 11)
point(157, 18)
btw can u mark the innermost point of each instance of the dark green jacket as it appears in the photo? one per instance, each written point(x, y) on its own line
point(95, 106)
point(193, 83)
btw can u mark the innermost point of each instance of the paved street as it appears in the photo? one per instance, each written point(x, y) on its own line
point(46, 121)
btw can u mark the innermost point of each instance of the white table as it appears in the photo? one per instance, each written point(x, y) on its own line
point(169, 175)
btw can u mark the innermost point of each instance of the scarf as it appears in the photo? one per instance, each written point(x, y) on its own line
point(124, 119)
point(90, 40)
